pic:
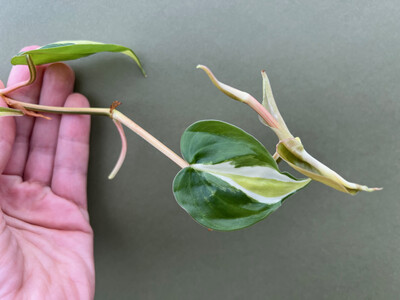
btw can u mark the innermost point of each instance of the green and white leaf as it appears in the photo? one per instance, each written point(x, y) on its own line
point(232, 181)
point(10, 112)
point(70, 50)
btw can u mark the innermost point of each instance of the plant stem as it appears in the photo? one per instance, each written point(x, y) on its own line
point(61, 110)
point(32, 78)
point(124, 148)
point(114, 114)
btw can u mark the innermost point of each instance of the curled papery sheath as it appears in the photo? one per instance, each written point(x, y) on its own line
point(290, 149)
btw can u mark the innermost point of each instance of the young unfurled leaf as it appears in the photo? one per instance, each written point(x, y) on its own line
point(70, 50)
point(293, 152)
point(6, 112)
point(290, 149)
point(232, 181)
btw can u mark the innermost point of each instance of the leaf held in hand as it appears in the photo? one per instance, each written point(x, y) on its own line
point(232, 181)
point(70, 50)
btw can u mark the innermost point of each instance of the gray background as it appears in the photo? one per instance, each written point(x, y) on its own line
point(335, 72)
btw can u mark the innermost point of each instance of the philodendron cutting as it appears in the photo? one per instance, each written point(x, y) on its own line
point(228, 179)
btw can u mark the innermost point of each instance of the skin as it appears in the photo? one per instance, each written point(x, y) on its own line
point(46, 241)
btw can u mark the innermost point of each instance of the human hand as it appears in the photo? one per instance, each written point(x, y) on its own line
point(46, 242)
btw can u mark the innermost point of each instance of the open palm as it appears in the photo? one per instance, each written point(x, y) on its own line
point(46, 242)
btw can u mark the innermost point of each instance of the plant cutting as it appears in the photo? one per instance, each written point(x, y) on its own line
point(228, 180)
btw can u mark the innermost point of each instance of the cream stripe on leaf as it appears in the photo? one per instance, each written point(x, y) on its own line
point(70, 50)
point(232, 181)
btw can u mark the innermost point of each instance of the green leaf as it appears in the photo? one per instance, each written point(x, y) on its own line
point(70, 50)
point(6, 112)
point(232, 181)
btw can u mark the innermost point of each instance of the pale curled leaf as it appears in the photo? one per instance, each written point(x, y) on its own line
point(70, 50)
point(241, 96)
point(10, 112)
point(270, 104)
point(232, 182)
point(292, 151)
point(226, 89)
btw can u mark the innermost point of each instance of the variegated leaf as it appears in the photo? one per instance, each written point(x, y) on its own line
point(232, 181)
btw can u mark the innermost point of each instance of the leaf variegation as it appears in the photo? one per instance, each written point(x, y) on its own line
point(232, 181)
point(10, 112)
point(70, 50)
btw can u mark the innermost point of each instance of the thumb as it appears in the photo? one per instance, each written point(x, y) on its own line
point(7, 136)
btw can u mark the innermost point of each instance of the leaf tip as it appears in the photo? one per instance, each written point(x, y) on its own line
point(142, 70)
point(367, 189)
point(230, 91)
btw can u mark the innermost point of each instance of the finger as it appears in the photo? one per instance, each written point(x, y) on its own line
point(72, 156)
point(58, 83)
point(30, 94)
point(7, 135)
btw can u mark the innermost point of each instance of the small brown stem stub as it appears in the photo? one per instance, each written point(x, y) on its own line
point(114, 105)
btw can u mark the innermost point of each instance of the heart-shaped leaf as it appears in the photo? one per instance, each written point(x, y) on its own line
point(232, 181)
point(70, 50)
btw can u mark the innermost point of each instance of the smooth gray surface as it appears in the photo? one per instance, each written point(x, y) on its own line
point(335, 72)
